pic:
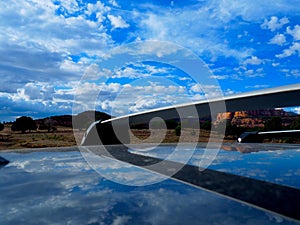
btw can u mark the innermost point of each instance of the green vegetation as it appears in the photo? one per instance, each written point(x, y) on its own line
point(273, 124)
point(58, 131)
point(178, 130)
point(1, 126)
point(23, 124)
point(295, 124)
point(206, 125)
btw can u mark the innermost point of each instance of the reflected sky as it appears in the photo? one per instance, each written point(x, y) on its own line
point(61, 188)
point(273, 163)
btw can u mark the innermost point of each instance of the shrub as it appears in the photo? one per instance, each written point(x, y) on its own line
point(23, 124)
point(178, 130)
point(1, 126)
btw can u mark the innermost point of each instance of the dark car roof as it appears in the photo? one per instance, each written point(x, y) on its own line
point(58, 186)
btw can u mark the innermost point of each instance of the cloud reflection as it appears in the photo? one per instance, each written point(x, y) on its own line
point(60, 188)
point(272, 163)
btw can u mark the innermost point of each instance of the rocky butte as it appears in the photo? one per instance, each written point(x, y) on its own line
point(255, 118)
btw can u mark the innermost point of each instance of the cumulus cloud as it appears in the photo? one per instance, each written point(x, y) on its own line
point(293, 49)
point(206, 91)
point(189, 29)
point(257, 86)
point(295, 73)
point(55, 43)
point(295, 33)
point(114, 3)
point(36, 43)
point(250, 11)
point(254, 60)
point(274, 23)
point(278, 39)
point(139, 70)
point(144, 104)
point(117, 22)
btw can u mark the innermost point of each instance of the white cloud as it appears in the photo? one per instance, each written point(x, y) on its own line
point(196, 88)
point(293, 49)
point(37, 42)
point(150, 48)
point(278, 39)
point(36, 45)
point(257, 86)
point(99, 9)
point(70, 66)
point(120, 220)
point(185, 79)
point(296, 110)
point(294, 32)
point(189, 28)
point(114, 3)
point(94, 72)
point(254, 10)
point(135, 97)
point(117, 22)
point(143, 104)
point(249, 73)
point(275, 64)
point(274, 23)
point(131, 73)
point(139, 70)
point(208, 91)
point(295, 73)
point(35, 92)
point(291, 72)
point(55, 43)
point(255, 73)
point(70, 5)
point(220, 77)
point(254, 60)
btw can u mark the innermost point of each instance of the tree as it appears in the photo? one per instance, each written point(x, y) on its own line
point(23, 124)
point(230, 129)
point(295, 124)
point(50, 124)
point(1, 126)
point(178, 130)
point(206, 125)
point(273, 124)
point(233, 130)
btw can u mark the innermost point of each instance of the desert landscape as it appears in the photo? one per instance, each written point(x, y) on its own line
point(66, 136)
point(61, 131)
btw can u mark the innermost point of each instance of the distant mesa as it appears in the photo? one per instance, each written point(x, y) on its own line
point(255, 118)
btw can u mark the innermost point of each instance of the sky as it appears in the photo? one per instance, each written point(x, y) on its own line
point(67, 56)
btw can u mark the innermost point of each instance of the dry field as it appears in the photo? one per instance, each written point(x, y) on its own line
point(159, 136)
point(65, 136)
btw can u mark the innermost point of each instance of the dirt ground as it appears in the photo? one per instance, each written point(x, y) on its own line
point(65, 136)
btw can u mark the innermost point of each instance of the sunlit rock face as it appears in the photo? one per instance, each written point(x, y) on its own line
point(252, 118)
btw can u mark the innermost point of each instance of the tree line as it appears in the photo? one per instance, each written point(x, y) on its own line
point(26, 123)
point(23, 124)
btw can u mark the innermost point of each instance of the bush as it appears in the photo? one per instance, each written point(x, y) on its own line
point(295, 124)
point(1, 126)
point(23, 124)
point(273, 124)
point(178, 130)
point(206, 125)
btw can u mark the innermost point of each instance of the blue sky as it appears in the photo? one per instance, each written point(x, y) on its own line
point(60, 56)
